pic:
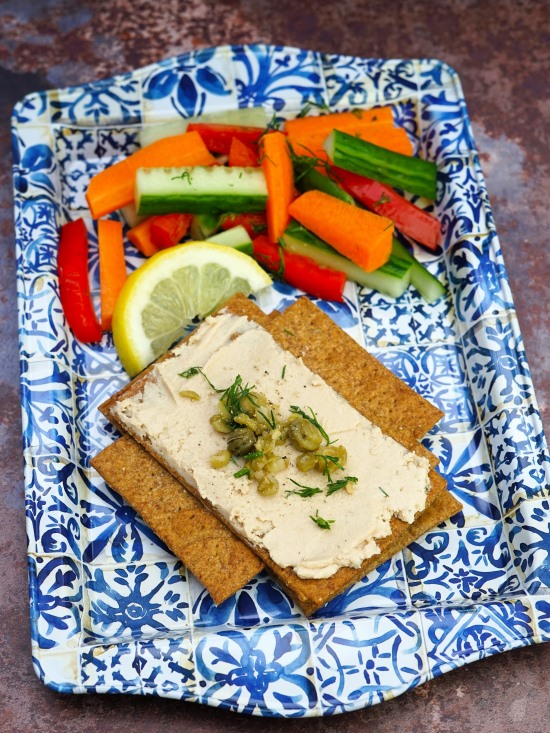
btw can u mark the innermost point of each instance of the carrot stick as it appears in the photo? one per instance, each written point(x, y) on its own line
point(277, 168)
point(387, 136)
point(363, 237)
point(140, 236)
point(346, 121)
point(113, 187)
point(242, 154)
point(112, 267)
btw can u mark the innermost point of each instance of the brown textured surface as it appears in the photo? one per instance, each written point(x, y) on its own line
point(374, 391)
point(210, 551)
point(500, 50)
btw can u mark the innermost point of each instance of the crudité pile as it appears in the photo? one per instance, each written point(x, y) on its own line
point(314, 202)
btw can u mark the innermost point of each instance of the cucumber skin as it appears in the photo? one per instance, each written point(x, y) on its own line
point(200, 204)
point(427, 285)
point(311, 180)
point(204, 226)
point(200, 190)
point(236, 237)
point(405, 172)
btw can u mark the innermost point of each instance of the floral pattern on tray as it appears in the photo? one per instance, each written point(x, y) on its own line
point(111, 609)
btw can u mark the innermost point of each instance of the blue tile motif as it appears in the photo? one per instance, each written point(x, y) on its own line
point(111, 609)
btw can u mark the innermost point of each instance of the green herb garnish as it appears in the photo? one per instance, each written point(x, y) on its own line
point(304, 163)
point(320, 522)
point(183, 176)
point(334, 486)
point(283, 372)
point(243, 472)
point(330, 459)
point(232, 396)
point(288, 331)
point(310, 105)
point(305, 491)
point(188, 373)
point(382, 490)
point(384, 199)
point(255, 454)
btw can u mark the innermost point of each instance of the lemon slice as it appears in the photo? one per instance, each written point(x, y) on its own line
point(161, 298)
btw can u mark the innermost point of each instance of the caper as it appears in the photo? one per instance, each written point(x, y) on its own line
point(220, 459)
point(220, 424)
point(241, 441)
point(258, 398)
point(257, 464)
point(247, 421)
point(189, 394)
point(283, 430)
point(247, 406)
point(276, 464)
point(268, 486)
point(224, 412)
point(265, 418)
point(306, 461)
point(336, 452)
point(265, 443)
point(304, 435)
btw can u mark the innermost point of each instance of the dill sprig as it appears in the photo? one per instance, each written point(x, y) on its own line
point(308, 106)
point(243, 472)
point(330, 459)
point(188, 373)
point(384, 199)
point(334, 486)
point(184, 175)
point(232, 396)
point(305, 491)
point(320, 522)
point(235, 394)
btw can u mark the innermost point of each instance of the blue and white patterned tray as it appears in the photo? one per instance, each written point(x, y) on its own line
point(111, 609)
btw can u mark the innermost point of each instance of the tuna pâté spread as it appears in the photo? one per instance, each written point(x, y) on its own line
point(316, 522)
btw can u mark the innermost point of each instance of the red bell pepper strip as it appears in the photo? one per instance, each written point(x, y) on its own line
point(74, 286)
point(299, 271)
point(169, 229)
point(254, 223)
point(242, 154)
point(217, 137)
point(383, 200)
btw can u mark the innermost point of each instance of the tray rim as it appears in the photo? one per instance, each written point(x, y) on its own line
point(318, 710)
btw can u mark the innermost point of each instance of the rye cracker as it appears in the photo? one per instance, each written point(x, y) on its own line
point(221, 562)
point(308, 333)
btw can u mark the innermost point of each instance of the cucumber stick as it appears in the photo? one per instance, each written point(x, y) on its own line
point(236, 237)
point(307, 178)
point(130, 215)
point(203, 226)
point(200, 189)
point(427, 285)
point(400, 171)
point(391, 279)
point(248, 116)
